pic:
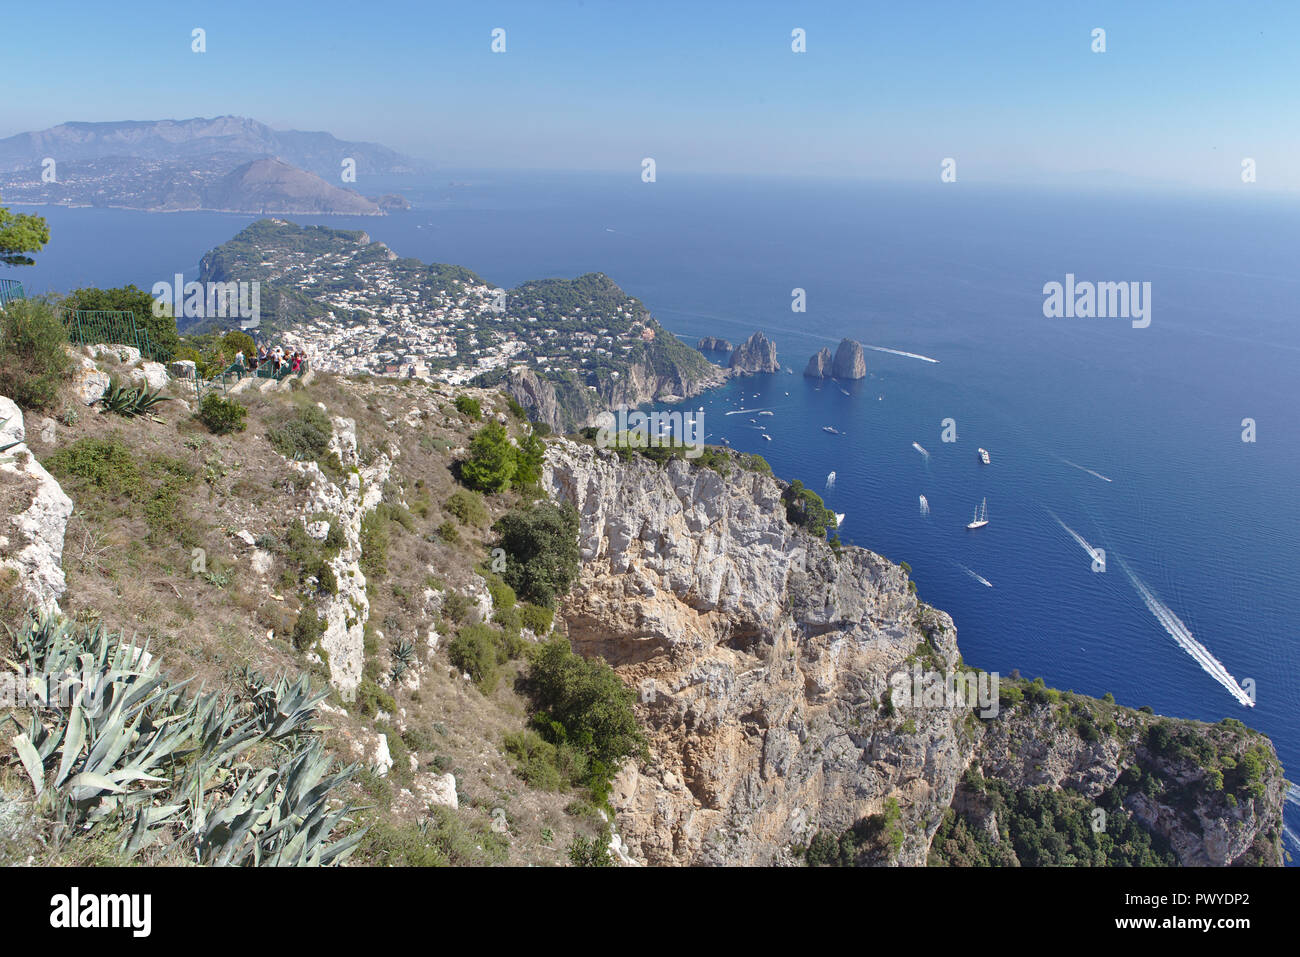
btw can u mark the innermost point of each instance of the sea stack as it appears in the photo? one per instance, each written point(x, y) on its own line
point(713, 344)
point(819, 366)
point(755, 354)
point(850, 362)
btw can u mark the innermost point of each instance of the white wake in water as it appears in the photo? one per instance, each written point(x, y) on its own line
point(979, 578)
point(921, 449)
point(925, 506)
point(1291, 836)
point(1092, 552)
point(1183, 635)
point(899, 352)
point(1293, 795)
point(744, 412)
point(1089, 471)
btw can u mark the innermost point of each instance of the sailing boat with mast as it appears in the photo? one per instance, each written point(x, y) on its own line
point(981, 515)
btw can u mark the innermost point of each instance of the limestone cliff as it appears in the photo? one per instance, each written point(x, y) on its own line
point(764, 659)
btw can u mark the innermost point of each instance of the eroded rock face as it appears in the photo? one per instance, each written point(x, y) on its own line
point(33, 531)
point(761, 658)
point(819, 366)
point(714, 344)
point(755, 354)
point(344, 615)
point(850, 361)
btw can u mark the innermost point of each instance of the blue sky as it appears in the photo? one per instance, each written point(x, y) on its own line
point(1011, 90)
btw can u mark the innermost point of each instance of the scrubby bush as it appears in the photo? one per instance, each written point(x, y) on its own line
point(584, 705)
point(467, 507)
point(541, 546)
point(222, 416)
point(468, 405)
point(106, 464)
point(535, 618)
point(307, 629)
point(805, 508)
point(303, 435)
point(475, 651)
point(33, 357)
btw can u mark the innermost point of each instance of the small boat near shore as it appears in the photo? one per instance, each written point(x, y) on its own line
point(984, 456)
point(831, 429)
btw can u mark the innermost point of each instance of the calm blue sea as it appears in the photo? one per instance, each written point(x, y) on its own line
point(1209, 523)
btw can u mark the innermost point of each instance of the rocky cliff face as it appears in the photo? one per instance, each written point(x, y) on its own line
point(819, 366)
point(566, 406)
point(755, 354)
point(714, 344)
point(850, 363)
point(763, 660)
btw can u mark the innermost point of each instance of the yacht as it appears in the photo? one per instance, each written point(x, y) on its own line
point(984, 456)
point(981, 515)
point(831, 429)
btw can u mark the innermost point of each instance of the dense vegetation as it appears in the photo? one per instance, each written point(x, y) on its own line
point(33, 354)
point(541, 547)
point(805, 508)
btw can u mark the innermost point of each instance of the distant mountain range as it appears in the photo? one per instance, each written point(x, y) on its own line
point(226, 163)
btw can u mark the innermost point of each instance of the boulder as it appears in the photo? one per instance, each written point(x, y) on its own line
point(182, 369)
point(88, 381)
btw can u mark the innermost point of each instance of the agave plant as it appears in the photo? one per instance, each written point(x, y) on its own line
point(130, 402)
point(403, 658)
point(119, 741)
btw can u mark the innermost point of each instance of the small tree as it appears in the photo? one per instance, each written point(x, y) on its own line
point(21, 233)
point(541, 546)
point(222, 416)
point(491, 462)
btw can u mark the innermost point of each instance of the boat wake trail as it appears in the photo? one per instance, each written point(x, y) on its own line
point(899, 352)
point(1293, 795)
point(1183, 635)
point(1092, 552)
point(919, 448)
point(979, 578)
point(744, 411)
point(1089, 471)
point(1291, 836)
point(925, 506)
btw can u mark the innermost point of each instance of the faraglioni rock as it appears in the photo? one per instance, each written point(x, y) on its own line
point(850, 363)
point(755, 354)
point(714, 344)
point(819, 366)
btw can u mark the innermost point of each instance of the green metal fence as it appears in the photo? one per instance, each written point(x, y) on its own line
point(117, 328)
point(11, 290)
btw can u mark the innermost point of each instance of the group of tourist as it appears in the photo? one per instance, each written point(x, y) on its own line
point(277, 359)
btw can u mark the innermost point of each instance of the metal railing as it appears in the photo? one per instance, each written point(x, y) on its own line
point(114, 328)
point(11, 290)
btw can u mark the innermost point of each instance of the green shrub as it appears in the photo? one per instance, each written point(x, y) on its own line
point(491, 462)
point(307, 629)
point(456, 606)
point(33, 357)
point(541, 546)
point(467, 405)
point(106, 464)
point(467, 507)
point(475, 650)
point(449, 533)
point(535, 618)
point(222, 416)
point(805, 508)
point(303, 435)
point(374, 545)
point(583, 704)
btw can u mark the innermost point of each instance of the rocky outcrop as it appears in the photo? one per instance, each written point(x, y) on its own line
point(763, 661)
point(344, 615)
point(37, 512)
point(755, 354)
point(819, 366)
point(714, 344)
point(850, 362)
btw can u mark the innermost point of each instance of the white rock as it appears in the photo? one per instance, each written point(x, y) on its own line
point(439, 790)
point(88, 380)
point(41, 526)
point(245, 536)
point(381, 761)
point(260, 561)
point(318, 530)
point(121, 353)
point(183, 369)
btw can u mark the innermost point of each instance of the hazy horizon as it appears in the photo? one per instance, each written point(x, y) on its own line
point(1180, 97)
